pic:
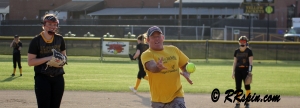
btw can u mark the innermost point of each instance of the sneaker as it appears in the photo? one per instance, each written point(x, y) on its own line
point(132, 89)
point(12, 74)
point(247, 105)
point(237, 105)
point(20, 74)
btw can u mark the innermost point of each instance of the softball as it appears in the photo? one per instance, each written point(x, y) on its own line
point(190, 67)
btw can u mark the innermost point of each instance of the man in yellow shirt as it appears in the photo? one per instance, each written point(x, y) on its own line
point(162, 64)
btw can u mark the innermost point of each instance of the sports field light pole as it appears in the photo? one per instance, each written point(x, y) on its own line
point(179, 19)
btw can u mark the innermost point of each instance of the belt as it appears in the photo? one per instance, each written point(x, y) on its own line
point(46, 75)
point(242, 66)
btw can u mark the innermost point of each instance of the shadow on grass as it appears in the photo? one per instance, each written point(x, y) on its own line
point(10, 78)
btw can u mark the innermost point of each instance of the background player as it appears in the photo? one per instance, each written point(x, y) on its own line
point(140, 48)
point(49, 83)
point(16, 44)
point(242, 65)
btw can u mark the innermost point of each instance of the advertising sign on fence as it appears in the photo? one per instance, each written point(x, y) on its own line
point(115, 47)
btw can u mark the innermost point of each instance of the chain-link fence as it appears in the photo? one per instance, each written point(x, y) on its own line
point(171, 32)
point(256, 33)
point(194, 49)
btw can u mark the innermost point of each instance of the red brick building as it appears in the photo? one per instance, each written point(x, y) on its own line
point(30, 9)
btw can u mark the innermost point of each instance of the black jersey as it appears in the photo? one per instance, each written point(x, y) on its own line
point(243, 57)
point(41, 48)
point(142, 47)
point(16, 47)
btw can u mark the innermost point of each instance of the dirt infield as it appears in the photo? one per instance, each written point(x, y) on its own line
point(86, 99)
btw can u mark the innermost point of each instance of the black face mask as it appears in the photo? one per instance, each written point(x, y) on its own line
point(51, 32)
point(242, 45)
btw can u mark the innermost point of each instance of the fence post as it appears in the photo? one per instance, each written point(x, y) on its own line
point(66, 45)
point(225, 33)
point(203, 27)
point(196, 32)
point(101, 54)
point(232, 34)
point(206, 51)
point(132, 29)
point(276, 53)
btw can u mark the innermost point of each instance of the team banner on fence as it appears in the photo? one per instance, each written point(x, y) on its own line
point(115, 47)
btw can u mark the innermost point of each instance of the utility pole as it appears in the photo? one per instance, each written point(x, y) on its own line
point(268, 26)
point(296, 9)
point(179, 18)
point(250, 24)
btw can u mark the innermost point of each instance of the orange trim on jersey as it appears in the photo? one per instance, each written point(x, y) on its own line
point(47, 41)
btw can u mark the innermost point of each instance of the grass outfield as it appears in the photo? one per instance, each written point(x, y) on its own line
point(89, 74)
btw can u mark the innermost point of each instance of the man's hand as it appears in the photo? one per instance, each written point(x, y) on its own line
point(160, 64)
point(187, 77)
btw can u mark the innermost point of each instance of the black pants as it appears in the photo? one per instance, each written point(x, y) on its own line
point(49, 90)
point(240, 75)
point(141, 74)
point(17, 58)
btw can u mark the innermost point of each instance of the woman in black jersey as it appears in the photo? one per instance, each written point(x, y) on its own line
point(16, 44)
point(49, 82)
point(242, 66)
point(140, 48)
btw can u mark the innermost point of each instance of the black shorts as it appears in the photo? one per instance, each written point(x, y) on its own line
point(141, 74)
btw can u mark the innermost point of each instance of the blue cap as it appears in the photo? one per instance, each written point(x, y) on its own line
point(153, 29)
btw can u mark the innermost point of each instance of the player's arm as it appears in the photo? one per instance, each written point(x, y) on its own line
point(20, 46)
point(32, 53)
point(64, 52)
point(155, 67)
point(183, 68)
point(185, 74)
point(63, 48)
point(233, 67)
point(33, 61)
point(183, 60)
point(250, 60)
point(250, 63)
point(11, 44)
point(137, 53)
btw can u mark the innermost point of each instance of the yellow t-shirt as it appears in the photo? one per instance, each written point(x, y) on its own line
point(165, 85)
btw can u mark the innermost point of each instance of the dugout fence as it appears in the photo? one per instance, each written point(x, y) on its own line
point(194, 49)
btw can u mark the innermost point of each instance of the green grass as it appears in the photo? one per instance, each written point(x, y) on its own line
point(89, 74)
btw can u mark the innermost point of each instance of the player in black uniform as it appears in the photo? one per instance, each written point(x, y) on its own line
point(140, 48)
point(16, 44)
point(242, 65)
point(49, 83)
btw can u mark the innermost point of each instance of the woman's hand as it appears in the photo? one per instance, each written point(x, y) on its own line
point(233, 75)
